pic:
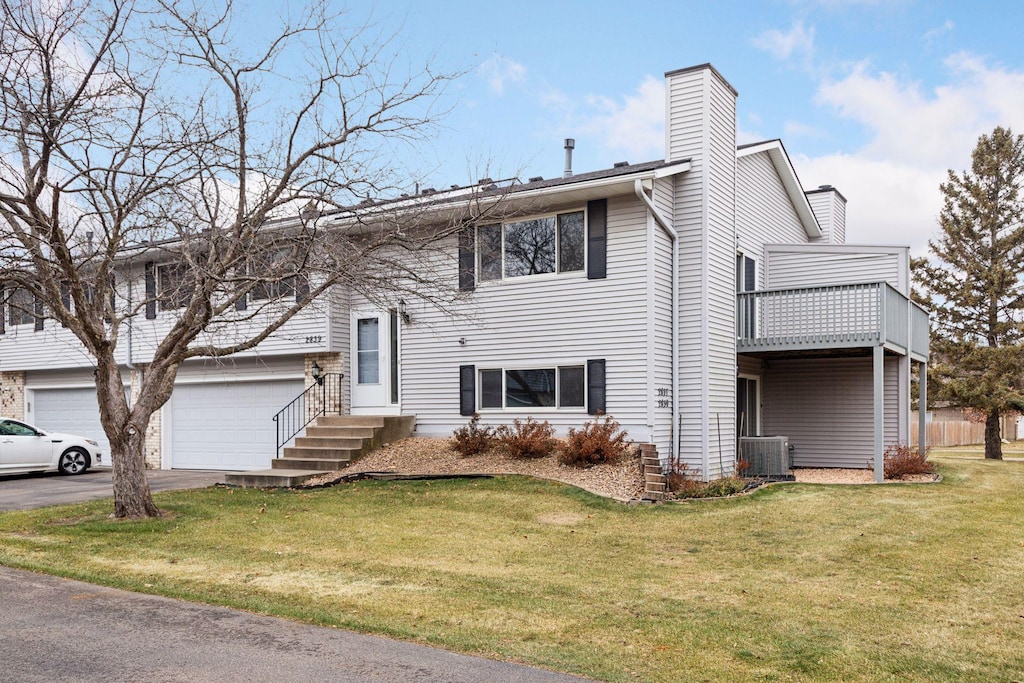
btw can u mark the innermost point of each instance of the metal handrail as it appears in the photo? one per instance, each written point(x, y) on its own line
point(323, 397)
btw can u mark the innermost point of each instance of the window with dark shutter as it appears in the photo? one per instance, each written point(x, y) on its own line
point(150, 273)
point(467, 389)
point(595, 386)
point(597, 239)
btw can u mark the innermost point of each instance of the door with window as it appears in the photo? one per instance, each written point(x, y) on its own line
point(374, 363)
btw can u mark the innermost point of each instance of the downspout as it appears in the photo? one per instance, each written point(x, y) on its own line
point(638, 187)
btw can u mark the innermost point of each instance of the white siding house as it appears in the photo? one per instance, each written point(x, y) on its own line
point(697, 299)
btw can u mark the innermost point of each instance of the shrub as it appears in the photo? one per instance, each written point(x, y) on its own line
point(473, 439)
point(527, 438)
point(901, 460)
point(685, 483)
point(600, 441)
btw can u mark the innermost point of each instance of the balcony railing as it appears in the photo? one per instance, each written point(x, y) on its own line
point(840, 316)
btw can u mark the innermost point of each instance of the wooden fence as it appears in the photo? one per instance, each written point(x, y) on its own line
point(949, 430)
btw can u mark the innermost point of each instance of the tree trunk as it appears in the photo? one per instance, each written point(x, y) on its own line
point(993, 438)
point(132, 497)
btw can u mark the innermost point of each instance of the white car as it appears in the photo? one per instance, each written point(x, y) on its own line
point(24, 448)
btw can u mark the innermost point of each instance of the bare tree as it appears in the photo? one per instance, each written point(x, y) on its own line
point(147, 134)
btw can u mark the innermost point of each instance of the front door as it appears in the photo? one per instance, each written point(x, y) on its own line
point(374, 362)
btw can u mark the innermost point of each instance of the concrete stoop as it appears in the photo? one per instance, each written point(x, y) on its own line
point(330, 443)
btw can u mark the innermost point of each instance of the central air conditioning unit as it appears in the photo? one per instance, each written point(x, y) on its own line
point(767, 456)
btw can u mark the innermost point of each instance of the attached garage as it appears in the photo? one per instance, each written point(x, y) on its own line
point(72, 411)
point(225, 425)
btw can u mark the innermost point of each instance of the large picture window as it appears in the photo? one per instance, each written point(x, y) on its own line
point(21, 308)
point(548, 244)
point(558, 387)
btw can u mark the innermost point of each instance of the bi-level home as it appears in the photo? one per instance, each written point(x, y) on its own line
point(701, 299)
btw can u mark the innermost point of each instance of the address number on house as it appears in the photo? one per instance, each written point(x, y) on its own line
point(315, 339)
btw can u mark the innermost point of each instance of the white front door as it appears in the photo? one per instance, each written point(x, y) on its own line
point(374, 362)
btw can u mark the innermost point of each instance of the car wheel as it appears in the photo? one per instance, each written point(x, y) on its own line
point(73, 461)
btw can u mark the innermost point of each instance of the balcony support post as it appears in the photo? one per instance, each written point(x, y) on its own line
point(878, 367)
point(922, 410)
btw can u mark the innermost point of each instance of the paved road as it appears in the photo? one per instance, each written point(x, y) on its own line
point(27, 491)
point(54, 629)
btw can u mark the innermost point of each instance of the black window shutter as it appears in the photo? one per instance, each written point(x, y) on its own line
point(467, 259)
point(467, 389)
point(595, 386)
point(3, 310)
point(301, 288)
point(150, 270)
point(597, 239)
point(37, 309)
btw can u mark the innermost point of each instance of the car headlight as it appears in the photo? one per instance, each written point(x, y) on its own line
point(91, 442)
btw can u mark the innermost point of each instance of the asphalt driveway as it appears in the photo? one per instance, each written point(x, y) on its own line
point(27, 491)
point(54, 629)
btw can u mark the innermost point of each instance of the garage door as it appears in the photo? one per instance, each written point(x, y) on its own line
point(72, 411)
point(228, 425)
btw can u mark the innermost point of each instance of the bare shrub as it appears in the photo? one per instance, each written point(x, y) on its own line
point(686, 483)
point(526, 438)
point(598, 442)
point(901, 460)
point(473, 439)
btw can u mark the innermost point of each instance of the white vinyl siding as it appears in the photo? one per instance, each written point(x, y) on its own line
point(764, 210)
point(830, 209)
point(701, 126)
point(814, 266)
point(539, 321)
point(825, 407)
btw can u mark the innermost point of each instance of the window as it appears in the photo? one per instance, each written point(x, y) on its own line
point(277, 270)
point(21, 308)
point(176, 283)
point(561, 387)
point(548, 244)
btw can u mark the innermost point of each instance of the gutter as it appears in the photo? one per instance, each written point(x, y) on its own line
point(638, 188)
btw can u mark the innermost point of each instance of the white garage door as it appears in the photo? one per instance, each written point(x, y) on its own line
point(227, 425)
point(72, 411)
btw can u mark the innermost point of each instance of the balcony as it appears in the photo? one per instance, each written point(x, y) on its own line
point(835, 317)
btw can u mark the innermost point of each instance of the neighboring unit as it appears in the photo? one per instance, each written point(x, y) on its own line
point(698, 299)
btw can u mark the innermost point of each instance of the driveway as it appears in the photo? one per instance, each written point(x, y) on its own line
point(27, 491)
point(55, 629)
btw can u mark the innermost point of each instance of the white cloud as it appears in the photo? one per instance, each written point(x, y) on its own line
point(797, 42)
point(634, 125)
point(915, 135)
point(939, 31)
point(499, 70)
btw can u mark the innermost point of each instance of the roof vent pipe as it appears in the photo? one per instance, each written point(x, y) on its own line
point(570, 144)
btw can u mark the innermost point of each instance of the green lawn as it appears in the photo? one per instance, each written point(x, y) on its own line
point(794, 583)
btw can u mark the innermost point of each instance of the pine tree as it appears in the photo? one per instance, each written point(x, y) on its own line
point(973, 284)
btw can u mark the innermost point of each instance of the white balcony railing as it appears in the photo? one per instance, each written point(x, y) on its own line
point(839, 316)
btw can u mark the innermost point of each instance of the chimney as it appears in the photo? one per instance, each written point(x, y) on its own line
point(570, 144)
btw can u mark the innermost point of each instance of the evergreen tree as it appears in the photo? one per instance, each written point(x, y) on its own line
point(973, 284)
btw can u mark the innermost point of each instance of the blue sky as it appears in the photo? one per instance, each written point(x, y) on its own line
point(877, 98)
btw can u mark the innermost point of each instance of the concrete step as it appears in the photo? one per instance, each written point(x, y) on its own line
point(306, 452)
point(652, 469)
point(328, 442)
point(273, 478)
point(350, 421)
point(329, 464)
point(341, 432)
point(653, 495)
point(652, 487)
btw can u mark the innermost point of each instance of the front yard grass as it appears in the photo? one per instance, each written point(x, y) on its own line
point(793, 583)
